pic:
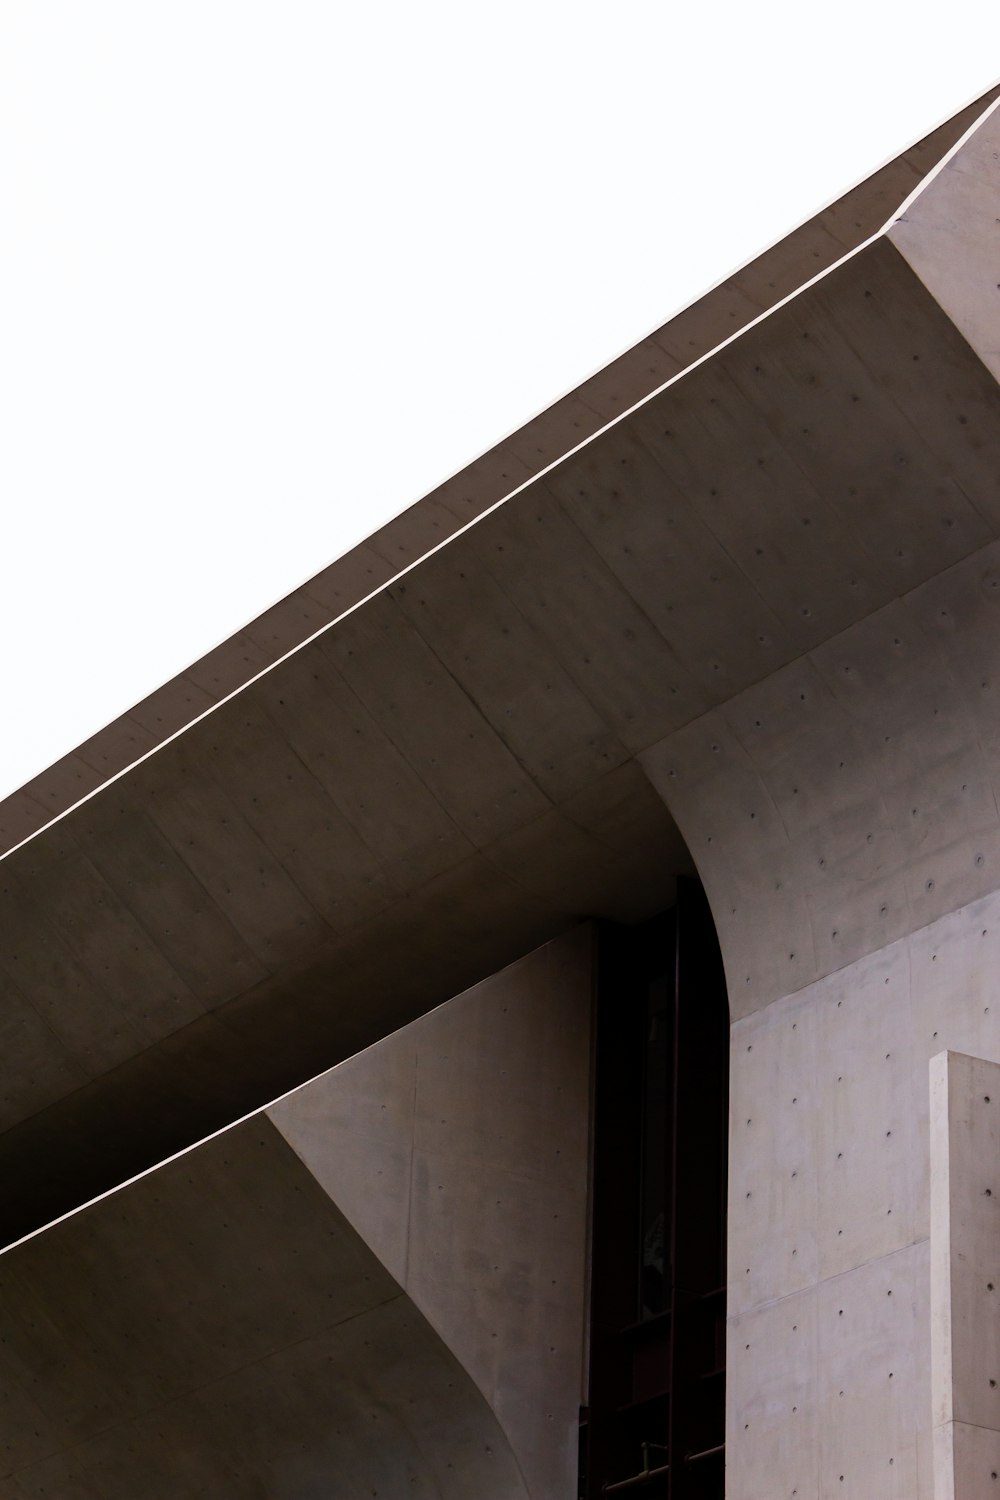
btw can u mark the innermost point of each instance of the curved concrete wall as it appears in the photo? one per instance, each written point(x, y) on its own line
point(843, 813)
point(217, 1329)
point(771, 593)
point(459, 1150)
point(296, 850)
point(247, 1321)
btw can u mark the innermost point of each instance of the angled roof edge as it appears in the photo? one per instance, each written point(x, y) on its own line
point(863, 212)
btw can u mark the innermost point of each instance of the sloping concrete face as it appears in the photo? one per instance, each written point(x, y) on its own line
point(459, 1149)
point(141, 1014)
point(217, 1329)
point(949, 236)
point(713, 556)
point(765, 602)
point(843, 815)
point(458, 771)
point(392, 1303)
point(777, 273)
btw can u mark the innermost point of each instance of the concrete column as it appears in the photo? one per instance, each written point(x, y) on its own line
point(965, 1275)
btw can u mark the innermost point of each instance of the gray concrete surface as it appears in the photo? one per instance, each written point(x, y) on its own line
point(965, 1275)
point(218, 1330)
point(691, 333)
point(948, 235)
point(458, 1148)
point(767, 601)
point(394, 1306)
point(830, 1229)
point(774, 523)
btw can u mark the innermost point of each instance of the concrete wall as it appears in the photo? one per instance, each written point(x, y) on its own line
point(458, 1148)
point(829, 1348)
point(965, 1275)
point(774, 592)
point(219, 1328)
point(217, 1331)
point(450, 773)
point(843, 813)
point(450, 770)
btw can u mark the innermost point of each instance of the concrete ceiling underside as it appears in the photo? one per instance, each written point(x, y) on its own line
point(448, 776)
point(778, 272)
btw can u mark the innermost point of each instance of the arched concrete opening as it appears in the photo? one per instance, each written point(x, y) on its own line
point(842, 813)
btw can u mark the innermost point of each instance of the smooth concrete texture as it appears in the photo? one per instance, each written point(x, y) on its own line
point(843, 814)
point(458, 1148)
point(830, 1215)
point(217, 1330)
point(161, 986)
point(755, 624)
point(322, 860)
point(949, 237)
point(776, 273)
point(965, 1275)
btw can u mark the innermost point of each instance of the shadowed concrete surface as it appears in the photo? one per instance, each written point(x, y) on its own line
point(449, 777)
point(757, 621)
point(392, 1307)
point(218, 1330)
point(776, 273)
point(843, 814)
point(111, 914)
point(459, 1150)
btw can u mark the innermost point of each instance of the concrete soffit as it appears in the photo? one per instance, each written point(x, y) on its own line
point(870, 208)
point(679, 639)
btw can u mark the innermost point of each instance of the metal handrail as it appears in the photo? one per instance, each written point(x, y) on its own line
point(641, 1478)
point(646, 1473)
point(693, 1458)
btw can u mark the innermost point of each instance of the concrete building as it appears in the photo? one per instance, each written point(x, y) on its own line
point(365, 1046)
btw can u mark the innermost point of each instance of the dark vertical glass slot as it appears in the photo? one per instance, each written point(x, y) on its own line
point(699, 1181)
point(656, 1147)
point(654, 1426)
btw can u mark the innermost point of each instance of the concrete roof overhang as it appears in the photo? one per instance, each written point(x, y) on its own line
point(451, 773)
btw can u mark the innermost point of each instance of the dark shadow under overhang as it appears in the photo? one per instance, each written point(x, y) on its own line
point(448, 777)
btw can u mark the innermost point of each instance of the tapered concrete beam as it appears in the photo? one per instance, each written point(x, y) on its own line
point(727, 308)
point(765, 596)
point(948, 234)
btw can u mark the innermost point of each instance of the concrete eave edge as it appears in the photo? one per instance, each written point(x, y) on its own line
point(867, 210)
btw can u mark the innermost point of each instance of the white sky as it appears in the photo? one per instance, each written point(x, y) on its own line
point(271, 271)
